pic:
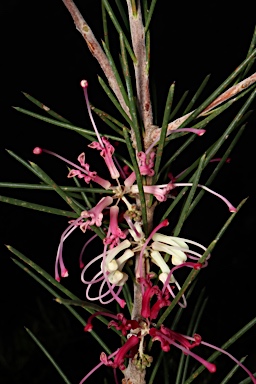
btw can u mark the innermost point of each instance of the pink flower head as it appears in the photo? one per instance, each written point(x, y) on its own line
point(113, 238)
point(95, 215)
point(129, 349)
point(107, 151)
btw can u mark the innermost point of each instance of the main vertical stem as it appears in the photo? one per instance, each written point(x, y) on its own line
point(132, 375)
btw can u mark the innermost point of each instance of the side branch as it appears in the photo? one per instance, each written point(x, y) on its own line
point(232, 91)
point(96, 50)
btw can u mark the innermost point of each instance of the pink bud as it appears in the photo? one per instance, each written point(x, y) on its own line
point(37, 151)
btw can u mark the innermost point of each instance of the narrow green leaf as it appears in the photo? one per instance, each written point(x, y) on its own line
point(251, 48)
point(105, 24)
point(147, 52)
point(194, 272)
point(47, 179)
point(123, 14)
point(139, 180)
point(180, 310)
point(150, 14)
point(55, 283)
point(65, 188)
point(82, 131)
point(128, 298)
point(81, 303)
point(156, 367)
point(178, 106)
point(37, 207)
point(134, 9)
point(117, 76)
point(248, 380)
point(213, 357)
point(184, 212)
point(69, 308)
point(160, 147)
point(124, 160)
point(49, 357)
point(114, 101)
point(119, 29)
point(85, 198)
point(132, 106)
point(232, 372)
point(196, 95)
point(109, 120)
point(23, 162)
point(192, 329)
point(45, 108)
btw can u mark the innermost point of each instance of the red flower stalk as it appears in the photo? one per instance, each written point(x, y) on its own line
point(122, 353)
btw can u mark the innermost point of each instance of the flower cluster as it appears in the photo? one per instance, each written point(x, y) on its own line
point(118, 217)
point(137, 331)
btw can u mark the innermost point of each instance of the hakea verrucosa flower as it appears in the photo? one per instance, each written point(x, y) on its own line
point(150, 290)
point(93, 217)
point(146, 166)
point(110, 272)
point(80, 172)
point(116, 233)
point(140, 329)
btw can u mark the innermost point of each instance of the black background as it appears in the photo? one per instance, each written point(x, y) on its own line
point(44, 55)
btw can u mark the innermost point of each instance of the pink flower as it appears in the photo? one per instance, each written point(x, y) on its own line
point(107, 151)
point(159, 191)
point(95, 215)
point(87, 175)
point(115, 234)
point(151, 290)
point(122, 324)
point(80, 172)
point(167, 337)
point(102, 144)
point(145, 167)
